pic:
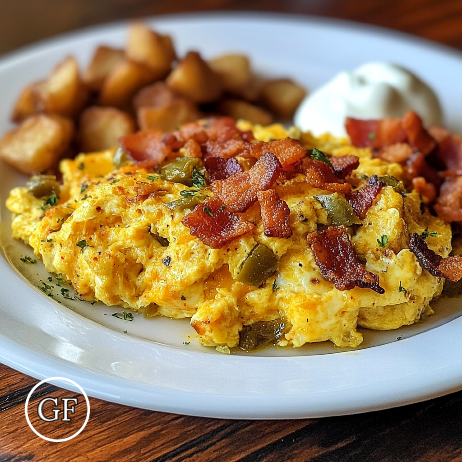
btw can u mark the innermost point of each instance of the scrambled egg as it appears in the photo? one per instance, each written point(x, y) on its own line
point(113, 237)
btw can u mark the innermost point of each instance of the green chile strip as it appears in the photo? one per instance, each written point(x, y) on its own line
point(338, 209)
point(258, 266)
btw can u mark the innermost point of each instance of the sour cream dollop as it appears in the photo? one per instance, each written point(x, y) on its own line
point(373, 91)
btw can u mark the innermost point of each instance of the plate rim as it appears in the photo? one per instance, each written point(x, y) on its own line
point(240, 407)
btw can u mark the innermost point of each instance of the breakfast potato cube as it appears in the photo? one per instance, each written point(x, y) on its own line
point(194, 79)
point(38, 143)
point(25, 105)
point(101, 127)
point(123, 82)
point(234, 71)
point(104, 60)
point(155, 95)
point(150, 48)
point(62, 92)
point(238, 109)
point(169, 117)
point(282, 96)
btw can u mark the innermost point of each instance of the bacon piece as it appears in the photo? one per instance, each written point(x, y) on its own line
point(286, 150)
point(224, 138)
point(274, 214)
point(320, 175)
point(344, 165)
point(449, 152)
point(416, 133)
point(238, 192)
point(378, 134)
point(362, 199)
point(220, 169)
point(438, 133)
point(398, 152)
point(375, 133)
point(145, 145)
point(425, 189)
point(193, 148)
point(449, 203)
point(226, 149)
point(335, 257)
point(449, 267)
point(214, 224)
point(417, 165)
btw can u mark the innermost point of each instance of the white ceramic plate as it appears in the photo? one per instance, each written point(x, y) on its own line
point(155, 364)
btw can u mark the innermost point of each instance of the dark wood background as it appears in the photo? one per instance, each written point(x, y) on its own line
point(430, 431)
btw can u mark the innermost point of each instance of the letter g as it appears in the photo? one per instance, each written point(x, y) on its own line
point(55, 411)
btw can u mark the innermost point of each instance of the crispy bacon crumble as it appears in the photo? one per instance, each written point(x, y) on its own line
point(238, 192)
point(449, 267)
point(214, 225)
point(335, 257)
point(274, 214)
point(362, 199)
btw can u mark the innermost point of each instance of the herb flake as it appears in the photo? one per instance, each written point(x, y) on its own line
point(383, 241)
point(207, 211)
point(125, 315)
point(82, 244)
point(319, 155)
point(425, 233)
point(27, 259)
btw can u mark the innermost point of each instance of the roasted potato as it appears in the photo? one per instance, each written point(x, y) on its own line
point(150, 48)
point(123, 82)
point(234, 71)
point(157, 94)
point(62, 92)
point(168, 117)
point(38, 143)
point(104, 60)
point(238, 109)
point(101, 127)
point(25, 105)
point(282, 96)
point(194, 79)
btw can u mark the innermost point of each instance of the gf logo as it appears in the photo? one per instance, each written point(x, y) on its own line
point(67, 407)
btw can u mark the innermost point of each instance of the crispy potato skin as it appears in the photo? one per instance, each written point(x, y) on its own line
point(38, 143)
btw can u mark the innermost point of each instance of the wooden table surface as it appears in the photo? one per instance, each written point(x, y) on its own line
point(429, 431)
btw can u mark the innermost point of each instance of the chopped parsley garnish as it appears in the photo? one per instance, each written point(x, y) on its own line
point(50, 201)
point(114, 181)
point(27, 259)
point(319, 155)
point(125, 315)
point(383, 241)
point(82, 244)
point(190, 193)
point(46, 289)
point(198, 180)
point(65, 294)
point(207, 211)
point(425, 233)
point(186, 343)
point(221, 208)
point(401, 288)
point(399, 338)
point(153, 177)
point(372, 136)
point(82, 189)
point(81, 166)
